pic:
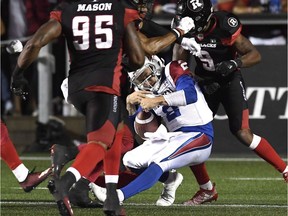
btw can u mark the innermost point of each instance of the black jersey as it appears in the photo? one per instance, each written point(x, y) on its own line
point(216, 43)
point(94, 31)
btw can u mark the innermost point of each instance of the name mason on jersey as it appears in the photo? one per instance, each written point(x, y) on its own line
point(95, 7)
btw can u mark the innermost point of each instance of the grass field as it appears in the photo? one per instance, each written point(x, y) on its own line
point(246, 187)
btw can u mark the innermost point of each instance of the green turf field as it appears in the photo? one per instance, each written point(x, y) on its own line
point(245, 188)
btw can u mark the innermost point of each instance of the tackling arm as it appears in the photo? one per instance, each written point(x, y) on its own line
point(249, 54)
point(133, 46)
point(45, 34)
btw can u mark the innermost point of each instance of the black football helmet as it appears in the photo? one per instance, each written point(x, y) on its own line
point(148, 4)
point(199, 10)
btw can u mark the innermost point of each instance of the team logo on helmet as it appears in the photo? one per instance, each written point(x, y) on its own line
point(195, 5)
point(233, 22)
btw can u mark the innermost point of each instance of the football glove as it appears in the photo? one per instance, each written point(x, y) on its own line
point(15, 46)
point(226, 67)
point(184, 26)
point(19, 85)
point(191, 45)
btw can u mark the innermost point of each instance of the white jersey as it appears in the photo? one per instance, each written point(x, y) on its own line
point(195, 112)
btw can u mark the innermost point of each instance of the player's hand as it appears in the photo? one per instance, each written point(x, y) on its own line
point(226, 67)
point(186, 24)
point(19, 86)
point(136, 97)
point(191, 45)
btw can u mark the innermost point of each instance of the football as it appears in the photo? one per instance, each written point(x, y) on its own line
point(145, 122)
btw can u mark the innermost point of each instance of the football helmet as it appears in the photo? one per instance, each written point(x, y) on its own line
point(199, 10)
point(147, 11)
point(148, 77)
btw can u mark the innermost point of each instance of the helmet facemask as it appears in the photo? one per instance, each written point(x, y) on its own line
point(148, 77)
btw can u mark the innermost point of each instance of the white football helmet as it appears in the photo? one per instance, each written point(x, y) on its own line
point(148, 77)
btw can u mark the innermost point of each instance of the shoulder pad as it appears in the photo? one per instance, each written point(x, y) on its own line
point(228, 22)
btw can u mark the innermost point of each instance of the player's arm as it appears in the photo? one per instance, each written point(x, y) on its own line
point(133, 47)
point(154, 45)
point(248, 52)
point(179, 53)
point(45, 34)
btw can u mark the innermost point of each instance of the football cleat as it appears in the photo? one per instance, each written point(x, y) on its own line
point(62, 198)
point(60, 156)
point(33, 179)
point(202, 196)
point(99, 192)
point(167, 196)
point(79, 195)
point(285, 176)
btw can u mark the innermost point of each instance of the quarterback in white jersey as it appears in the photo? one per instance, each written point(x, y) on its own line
point(186, 139)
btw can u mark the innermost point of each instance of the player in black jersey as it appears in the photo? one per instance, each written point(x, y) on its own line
point(224, 50)
point(95, 33)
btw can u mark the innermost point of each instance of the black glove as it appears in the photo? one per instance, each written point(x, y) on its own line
point(19, 85)
point(226, 67)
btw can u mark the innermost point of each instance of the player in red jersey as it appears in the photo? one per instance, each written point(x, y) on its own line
point(95, 36)
point(224, 51)
point(28, 180)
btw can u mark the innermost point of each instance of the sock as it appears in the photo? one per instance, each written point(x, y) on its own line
point(264, 150)
point(163, 178)
point(97, 174)
point(113, 155)
point(21, 172)
point(143, 182)
point(200, 173)
point(286, 170)
point(8, 152)
point(207, 186)
point(88, 158)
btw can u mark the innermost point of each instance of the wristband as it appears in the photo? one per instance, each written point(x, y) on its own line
point(17, 71)
point(176, 32)
point(238, 62)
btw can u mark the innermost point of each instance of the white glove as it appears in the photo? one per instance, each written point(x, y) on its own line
point(191, 45)
point(64, 89)
point(186, 24)
point(14, 47)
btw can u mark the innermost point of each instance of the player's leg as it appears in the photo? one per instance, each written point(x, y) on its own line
point(207, 191)
point(27, 180)
point(165, 157)
point(100, 136)
point(236, 107)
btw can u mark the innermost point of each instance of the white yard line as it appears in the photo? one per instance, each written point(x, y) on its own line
point(210, 159)
point(150, 204)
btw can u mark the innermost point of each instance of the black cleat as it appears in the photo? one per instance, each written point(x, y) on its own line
point(111, 205)
point(79, 195)
point(60, 156)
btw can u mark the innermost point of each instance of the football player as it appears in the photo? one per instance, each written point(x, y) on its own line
point(93, 30)
point(171, 93)
point(224, 51)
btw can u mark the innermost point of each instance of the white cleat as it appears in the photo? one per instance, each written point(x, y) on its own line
point(167, 196)
point(99, 192)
